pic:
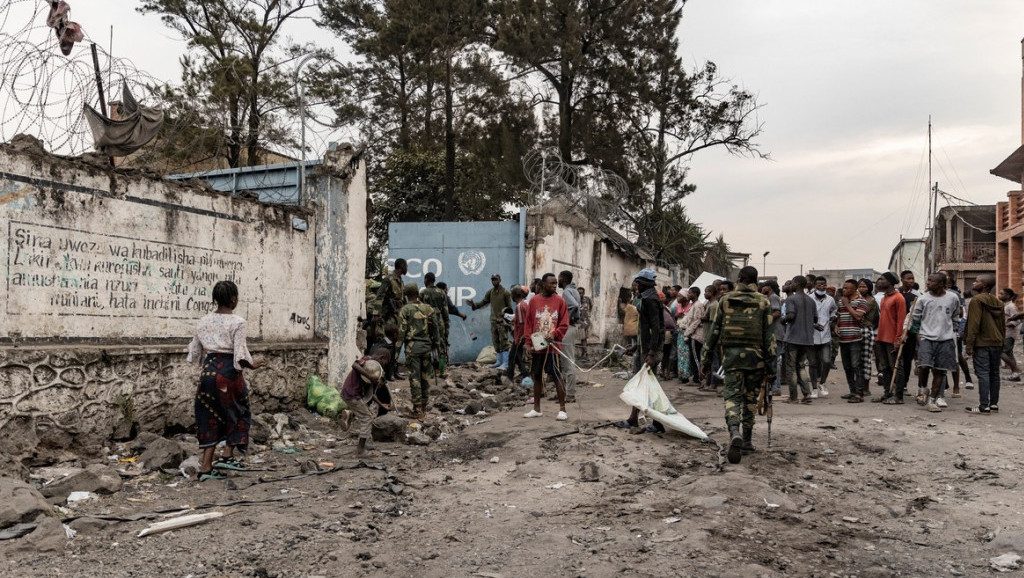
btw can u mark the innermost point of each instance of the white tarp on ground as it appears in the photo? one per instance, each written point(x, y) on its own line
point(703, 280)
point(644, 393)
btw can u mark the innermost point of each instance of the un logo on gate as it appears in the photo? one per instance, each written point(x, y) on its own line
point(472, 262)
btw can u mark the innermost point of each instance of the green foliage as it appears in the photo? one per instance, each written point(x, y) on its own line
point(235, 85)
point(445, 130)
point(451, 95)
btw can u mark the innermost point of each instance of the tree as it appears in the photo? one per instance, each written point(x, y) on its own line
point(425, 84)
point(674, 115)
point(234, 67)
point(718, 258)
point(584, 53)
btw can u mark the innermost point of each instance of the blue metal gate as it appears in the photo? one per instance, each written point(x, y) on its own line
point(463, 255)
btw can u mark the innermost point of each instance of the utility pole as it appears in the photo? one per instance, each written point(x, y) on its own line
point(302, 122)
point(930, 226)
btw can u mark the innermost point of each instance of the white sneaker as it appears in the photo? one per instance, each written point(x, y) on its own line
point(824, 392)
point(941, 402)
point(814, 394)
point(932, 406)
point(968, 385)
point(532, 413)
point(1014, 377)
point(562, 416)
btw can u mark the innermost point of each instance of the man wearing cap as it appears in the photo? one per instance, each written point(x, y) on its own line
point(498, 298)
point(418, 332)
point(360, 389)
point(892, 311)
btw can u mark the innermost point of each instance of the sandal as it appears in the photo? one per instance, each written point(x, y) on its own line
point(211, 475)
point(623, 424)
point(881, 399)
point(892, 401)
point(229, 463)
point(855, 399)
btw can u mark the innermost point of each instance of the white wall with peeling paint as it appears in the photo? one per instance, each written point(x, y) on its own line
point(96, 254)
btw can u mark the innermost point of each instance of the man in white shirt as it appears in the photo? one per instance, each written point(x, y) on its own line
point(820, 359)
point(937, 312)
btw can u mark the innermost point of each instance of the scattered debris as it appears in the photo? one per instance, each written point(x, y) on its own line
point(1006, 563)
point(182, 522)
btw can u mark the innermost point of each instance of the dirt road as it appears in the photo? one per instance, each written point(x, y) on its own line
point(844, 490)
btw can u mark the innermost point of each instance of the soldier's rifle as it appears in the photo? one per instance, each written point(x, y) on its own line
point(764, 404)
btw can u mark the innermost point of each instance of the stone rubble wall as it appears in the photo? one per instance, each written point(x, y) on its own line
point(82, 398)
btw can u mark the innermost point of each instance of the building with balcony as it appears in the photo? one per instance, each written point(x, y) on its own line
point(1010, 217)
point(965, 242)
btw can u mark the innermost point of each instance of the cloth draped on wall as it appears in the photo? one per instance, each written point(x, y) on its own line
point(137, 126)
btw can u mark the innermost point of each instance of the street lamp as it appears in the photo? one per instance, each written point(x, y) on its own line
point(764, 264)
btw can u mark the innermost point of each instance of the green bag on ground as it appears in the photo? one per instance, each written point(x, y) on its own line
point(324, 399)
point(314, 391)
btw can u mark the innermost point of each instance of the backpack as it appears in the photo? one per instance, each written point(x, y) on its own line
point(743, 314)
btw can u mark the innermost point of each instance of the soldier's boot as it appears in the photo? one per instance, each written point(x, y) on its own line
point(748, 446)
point(735, 445)
point(421, 411)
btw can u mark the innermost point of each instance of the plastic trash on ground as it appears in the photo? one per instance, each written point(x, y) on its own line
point(644, 392)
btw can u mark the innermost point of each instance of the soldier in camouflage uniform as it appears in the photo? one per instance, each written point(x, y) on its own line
point(742, 328)
point(389, 302)
point(498, 298)
point(437, 299)
point(418, 332)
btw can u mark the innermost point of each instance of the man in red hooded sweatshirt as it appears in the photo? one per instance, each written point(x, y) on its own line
point(547, 315)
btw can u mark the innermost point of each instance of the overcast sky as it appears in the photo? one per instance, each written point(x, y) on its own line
point(846, 90)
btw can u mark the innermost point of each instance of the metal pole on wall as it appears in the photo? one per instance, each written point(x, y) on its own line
point(764, 264)
point(302, 121)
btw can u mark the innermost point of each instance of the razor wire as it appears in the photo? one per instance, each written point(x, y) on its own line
point(598, 193)
point(42, 92)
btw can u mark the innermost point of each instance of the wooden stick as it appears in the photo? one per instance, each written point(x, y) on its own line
point(575, 431)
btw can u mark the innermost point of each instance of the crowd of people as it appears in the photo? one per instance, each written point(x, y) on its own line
point(744, 340)
point(887, 329)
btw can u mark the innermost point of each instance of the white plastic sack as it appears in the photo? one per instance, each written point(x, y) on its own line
point(644, 392)
point(487, 355)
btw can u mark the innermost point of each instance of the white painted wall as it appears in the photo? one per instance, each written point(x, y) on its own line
point(102, 255)
point(554, 245)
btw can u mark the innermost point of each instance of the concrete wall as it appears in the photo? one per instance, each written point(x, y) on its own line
point(106, 273)
point(338, 195)
point(101, 255)
point(556, 242)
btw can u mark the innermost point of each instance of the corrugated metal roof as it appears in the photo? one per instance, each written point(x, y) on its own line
point(277, 183)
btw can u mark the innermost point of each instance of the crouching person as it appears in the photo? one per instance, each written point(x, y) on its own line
point(360, 388)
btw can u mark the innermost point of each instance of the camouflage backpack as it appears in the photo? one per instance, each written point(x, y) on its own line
point(743, 315)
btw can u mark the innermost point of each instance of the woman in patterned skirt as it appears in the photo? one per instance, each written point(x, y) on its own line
point(222, 397)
